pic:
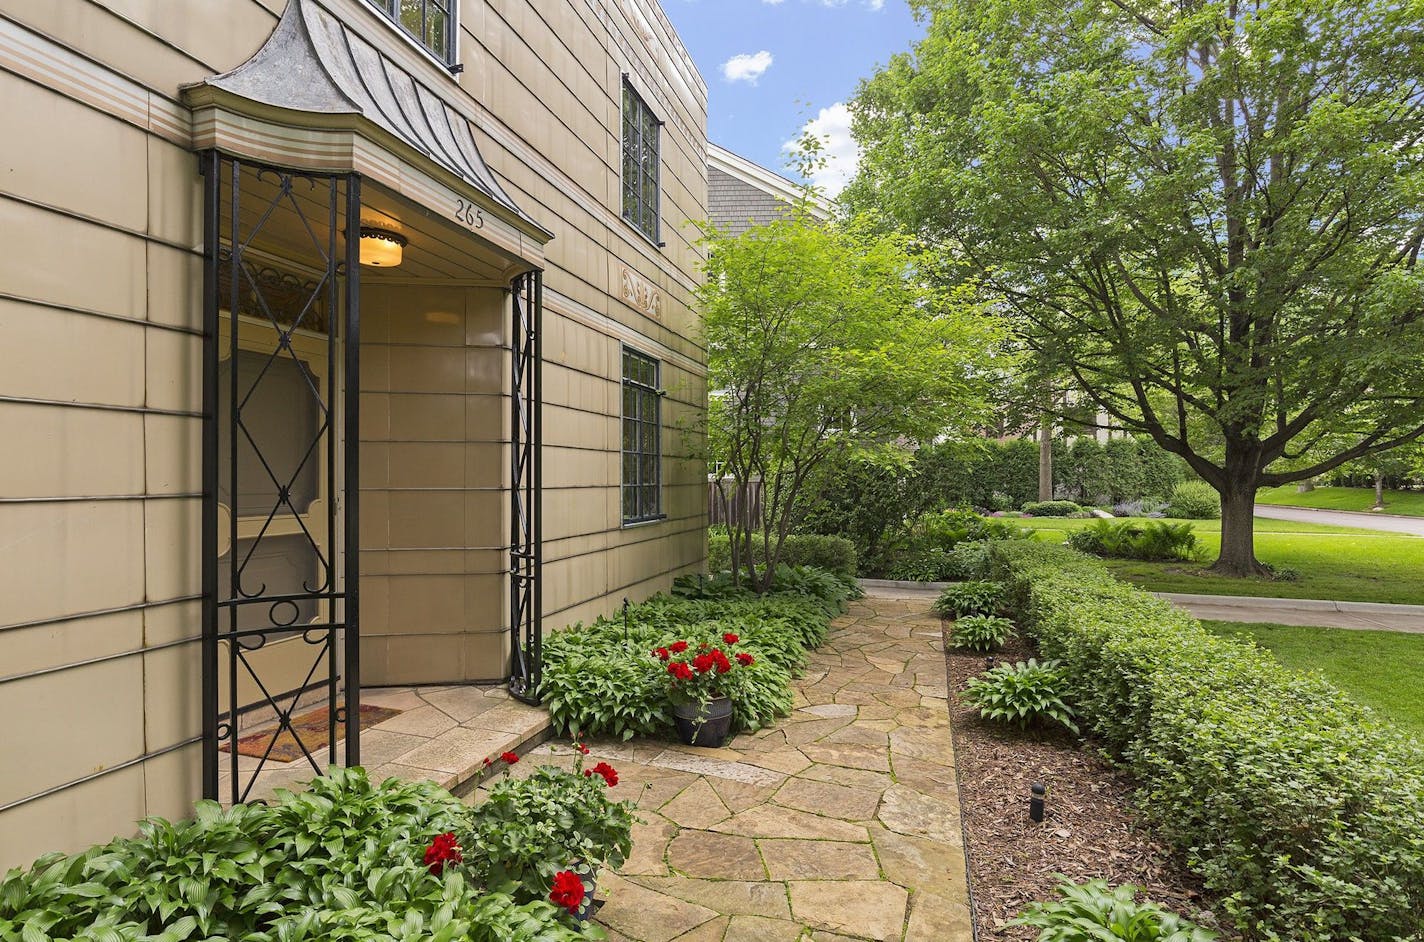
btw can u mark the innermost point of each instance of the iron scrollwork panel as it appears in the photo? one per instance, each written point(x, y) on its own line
point(526, 604)
point(281, 338)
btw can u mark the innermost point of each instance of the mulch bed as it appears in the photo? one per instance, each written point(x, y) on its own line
point(1089, 830)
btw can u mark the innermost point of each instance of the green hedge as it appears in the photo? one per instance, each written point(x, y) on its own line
point(832, 553)
point(1303, 810)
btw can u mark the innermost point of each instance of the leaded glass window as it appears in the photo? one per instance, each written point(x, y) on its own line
point(429, 22)
point(642, 460)
point(640, 164)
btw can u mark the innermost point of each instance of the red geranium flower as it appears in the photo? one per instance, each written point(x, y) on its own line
point(610, 777)
point(581, 748)
point(731, 638)
point(745, 659)
point(703, 663)
point(567, 890)
point(487, 761)
point(509, 757)
point(677, 647)
point(661, 654)
point(719, 661)
point(680, 670)
point(445, 849)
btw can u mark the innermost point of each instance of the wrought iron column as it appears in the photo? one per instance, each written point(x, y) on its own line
point(526, 601)
point(257, 216)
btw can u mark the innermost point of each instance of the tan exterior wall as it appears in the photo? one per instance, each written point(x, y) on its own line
point(100, 378)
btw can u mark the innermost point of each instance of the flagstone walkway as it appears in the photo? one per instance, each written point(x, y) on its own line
point(842, 822)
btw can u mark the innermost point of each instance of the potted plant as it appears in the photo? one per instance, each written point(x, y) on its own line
point(700, 683)
point(545, 836)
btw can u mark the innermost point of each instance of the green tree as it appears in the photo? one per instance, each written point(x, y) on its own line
point(823, 341)
point(1207, 211)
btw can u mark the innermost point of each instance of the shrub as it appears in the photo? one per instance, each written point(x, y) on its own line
point(342, 860)
point(832, 553)
point(968, 561)
point(1090, 912)
point(980, 632)
point(1301, 809)
point(1129, 539)
point(529, 829)
point(931, 565)
point(1021, 694)
point(970, 598)
point(1194, 500)
point(603, 678)
point(1051, 508)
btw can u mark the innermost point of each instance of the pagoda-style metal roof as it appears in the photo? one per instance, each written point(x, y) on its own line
point(315, 63)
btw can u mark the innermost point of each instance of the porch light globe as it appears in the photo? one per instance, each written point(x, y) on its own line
point(381, 248)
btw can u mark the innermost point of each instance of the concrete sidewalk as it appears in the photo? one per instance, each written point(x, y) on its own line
point(1366, 616)
point(1394, 523)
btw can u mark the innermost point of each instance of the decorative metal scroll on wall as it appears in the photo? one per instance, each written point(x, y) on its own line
point(280, 464)
point(526, 603)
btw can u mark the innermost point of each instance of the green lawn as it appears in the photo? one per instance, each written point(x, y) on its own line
point(1337, 563)
point(1381, 669)
point(1408, 503)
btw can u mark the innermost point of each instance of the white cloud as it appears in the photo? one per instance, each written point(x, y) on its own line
point(747, 67)
point(842, 153)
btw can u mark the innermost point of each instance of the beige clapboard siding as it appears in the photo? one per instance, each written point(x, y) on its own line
point(104, 354)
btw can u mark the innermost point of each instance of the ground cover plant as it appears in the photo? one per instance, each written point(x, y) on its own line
point(347, 859)
point(1133, 539)
point(1359, 499)
point(982, 633)
point(1325, 562)
point(976, 597)
point(1383, 670)
point(1023, 694)
point(1301, 808)
point(1093, 912)
point(608, 678)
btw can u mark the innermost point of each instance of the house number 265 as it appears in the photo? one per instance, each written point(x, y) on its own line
point(469, 214)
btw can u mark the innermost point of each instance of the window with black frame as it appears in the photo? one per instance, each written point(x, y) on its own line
point(640, 163)
point(642, 461)
point(429, 22)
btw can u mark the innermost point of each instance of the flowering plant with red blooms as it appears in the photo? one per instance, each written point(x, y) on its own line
point(605, 771)
point(662, 654)
point(567, 890)
point(708, 675)
point(445, 849)
point(509, 757)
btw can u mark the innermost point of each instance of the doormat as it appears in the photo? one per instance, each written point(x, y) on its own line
point(311, 727)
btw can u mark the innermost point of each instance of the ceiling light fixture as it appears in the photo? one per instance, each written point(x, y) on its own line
point(381, 248)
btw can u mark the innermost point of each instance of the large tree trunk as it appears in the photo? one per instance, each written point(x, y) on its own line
point(1045, 458)
point(1238, 530)
point(1306, 486)
point(1379, 490)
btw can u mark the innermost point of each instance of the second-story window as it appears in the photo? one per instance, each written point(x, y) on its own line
point(640, 163)
point(429, 22)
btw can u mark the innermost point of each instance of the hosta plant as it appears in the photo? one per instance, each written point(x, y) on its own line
point(980, 632)
point(970, 598)
point(1094, 912)
point(1021, 694)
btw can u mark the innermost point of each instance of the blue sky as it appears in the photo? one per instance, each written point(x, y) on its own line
point(772, 66)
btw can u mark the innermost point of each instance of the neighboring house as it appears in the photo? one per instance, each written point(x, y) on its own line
point(742, 194)
point(226, 218)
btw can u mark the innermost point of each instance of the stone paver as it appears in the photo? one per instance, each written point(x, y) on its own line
point(839, 824)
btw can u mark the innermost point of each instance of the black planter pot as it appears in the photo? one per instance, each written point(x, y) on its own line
point(700, 724)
